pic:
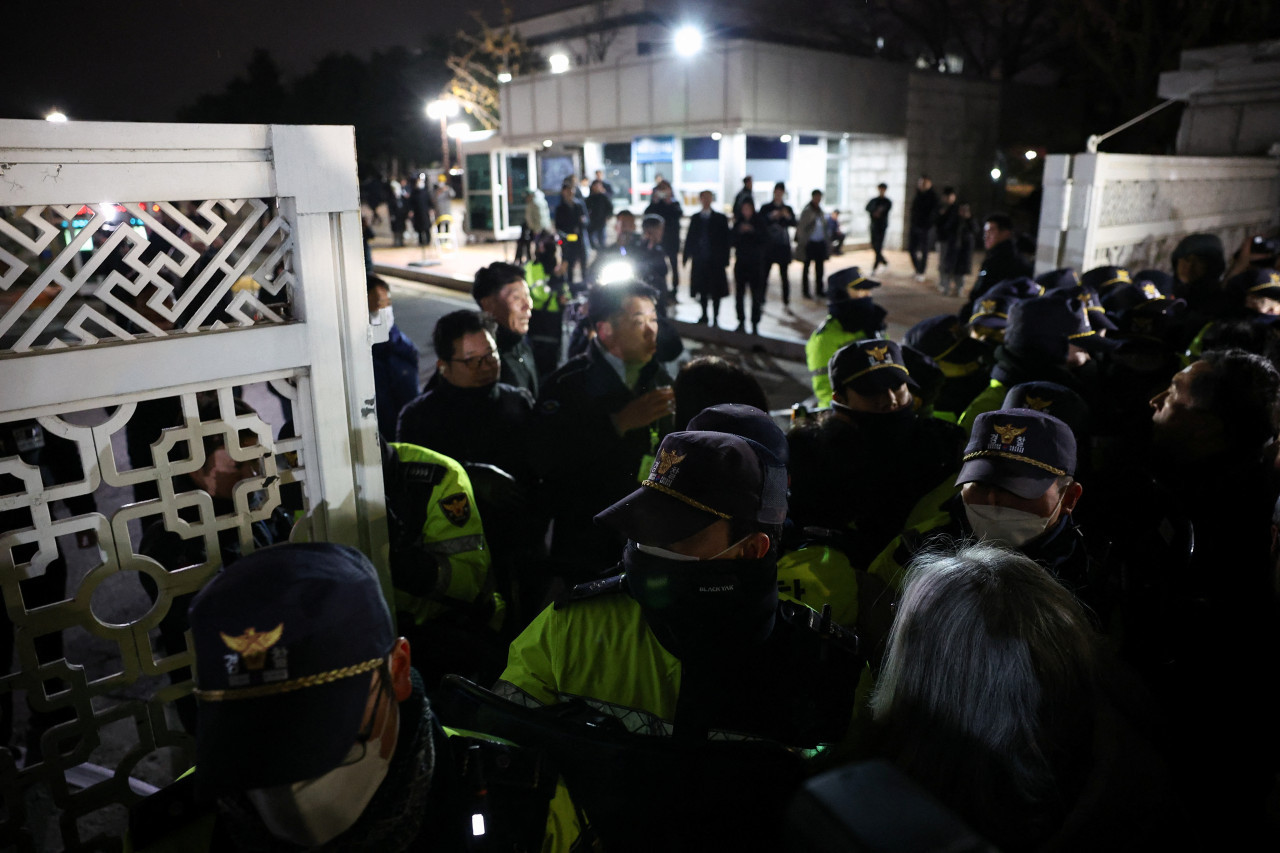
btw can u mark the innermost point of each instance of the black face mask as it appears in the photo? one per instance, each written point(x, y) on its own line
point(704, 608)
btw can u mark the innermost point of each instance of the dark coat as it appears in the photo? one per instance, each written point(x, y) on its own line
point(671, 214)
point(395, 378)
point(707, 247)
point(599, 209)
point(1002, 262)
point(489, 425)
point(924, 208)
point(518, 366)
point(867, 474)
point(778, 249)
point(749, 239)
point(957, 246)
point(585, 465)
point(569, 216)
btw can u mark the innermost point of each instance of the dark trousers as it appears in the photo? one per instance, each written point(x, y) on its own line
point(918, 244)
point(673, 255)
point(748, 276)
point(596, 237)
point(877, 243)
point(782, 273)
point(814, 253)
point(574, 254)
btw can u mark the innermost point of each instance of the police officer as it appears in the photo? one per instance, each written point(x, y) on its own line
point(447, 597)
point(315, 731)
point(1048, 338)
point(691, 641)
point(860, 468)
point(851, 316)
point(1017, 488)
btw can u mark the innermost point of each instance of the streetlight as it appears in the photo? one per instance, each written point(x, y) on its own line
point(784, 138)
point(504, 76)
point(688, 40)
point(56, 115)
point(1030, 155)
point(559, 63)
point(442, 110)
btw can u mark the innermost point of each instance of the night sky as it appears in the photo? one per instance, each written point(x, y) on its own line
point(141, 60)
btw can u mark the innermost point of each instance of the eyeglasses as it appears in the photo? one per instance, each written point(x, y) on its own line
point(475, 361)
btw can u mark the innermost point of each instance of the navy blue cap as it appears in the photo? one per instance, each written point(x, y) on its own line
point(1015, 288)
point(869, 365)
point(1051, 399)
point(1093, 307)
point(1046, 325)
point(1122, 297)
point(1059, 278)
point(1020, 450)
point(843, 282)
point(1101, 278)
point(991, 311)
point(1161, 279)
point(1152, 319)
point(746, 422)
point(1264, 282)
point(934, 336)
point(699, 478)
point(286, 642)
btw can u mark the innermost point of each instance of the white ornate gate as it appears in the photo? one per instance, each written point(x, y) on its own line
point(228, 257)
point(1131, 210)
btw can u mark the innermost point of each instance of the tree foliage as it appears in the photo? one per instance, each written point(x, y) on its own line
point(382, 97)
point(476, 61)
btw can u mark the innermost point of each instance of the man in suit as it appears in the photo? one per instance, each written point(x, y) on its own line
point(707, 247)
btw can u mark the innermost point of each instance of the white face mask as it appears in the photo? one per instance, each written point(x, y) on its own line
point(315, 811)
point(655, 551)
point(1013, 527)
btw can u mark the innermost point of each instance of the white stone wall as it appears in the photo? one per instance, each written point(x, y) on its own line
point(1132, 210)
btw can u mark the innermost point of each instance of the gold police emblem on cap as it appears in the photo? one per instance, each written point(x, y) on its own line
point(1008, 433)
point(253, 644)
point(1150, 291)
point(880, 354)
point(667, 458)
point(1039, 404)
point(988, 306)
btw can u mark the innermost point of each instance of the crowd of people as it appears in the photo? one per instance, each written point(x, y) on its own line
point(1026, 555)
point(746, 243)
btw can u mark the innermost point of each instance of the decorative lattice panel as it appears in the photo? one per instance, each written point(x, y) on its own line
point(110, 525)
point(75, 275)
point(229, 258)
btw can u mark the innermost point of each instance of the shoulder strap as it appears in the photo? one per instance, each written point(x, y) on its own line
point(591, 589)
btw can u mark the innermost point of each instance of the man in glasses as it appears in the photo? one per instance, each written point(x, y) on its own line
point(316, 731)
point(465, 412)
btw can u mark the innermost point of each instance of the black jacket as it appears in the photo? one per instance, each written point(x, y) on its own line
point(924, 208)
point(518, 367)
point(778, 248)
point(1002, 262)
point(707, 245)
point(584, 463)
point(671, 213)
point(489, 425)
